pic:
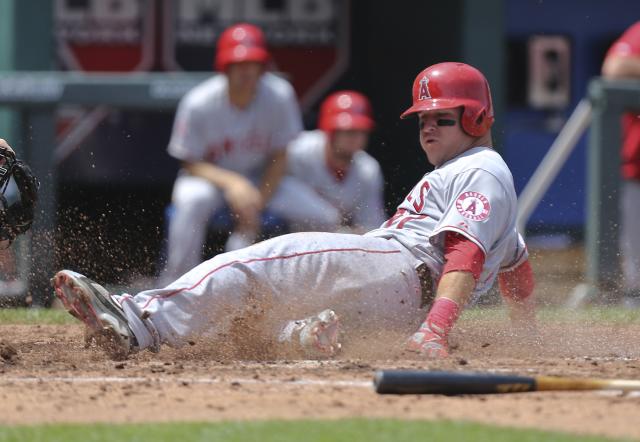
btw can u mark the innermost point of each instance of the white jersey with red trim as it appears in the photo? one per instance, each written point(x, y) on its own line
point(208, 127)
point(358, 197)
point(472, 194)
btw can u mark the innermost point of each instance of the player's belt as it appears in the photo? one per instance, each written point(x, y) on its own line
point(426, 283)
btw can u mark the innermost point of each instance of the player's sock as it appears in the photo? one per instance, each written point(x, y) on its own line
point(443, 314)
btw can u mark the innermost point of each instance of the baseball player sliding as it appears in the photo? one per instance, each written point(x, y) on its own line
point(455, 230)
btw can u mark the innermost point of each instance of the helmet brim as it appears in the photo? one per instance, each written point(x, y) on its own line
point(239, 54)
point(347, 121)
point(433, 104)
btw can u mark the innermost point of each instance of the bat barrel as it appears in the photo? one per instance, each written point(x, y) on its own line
point(449, 383)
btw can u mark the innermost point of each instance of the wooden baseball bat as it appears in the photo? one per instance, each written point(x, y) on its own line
point(457, 383)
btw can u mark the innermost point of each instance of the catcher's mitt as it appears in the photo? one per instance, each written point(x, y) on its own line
point(18, 217)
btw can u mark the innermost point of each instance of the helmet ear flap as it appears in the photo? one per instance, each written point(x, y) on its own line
point(475, 121)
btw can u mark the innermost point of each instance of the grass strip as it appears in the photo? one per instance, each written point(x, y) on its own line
point(352, 430)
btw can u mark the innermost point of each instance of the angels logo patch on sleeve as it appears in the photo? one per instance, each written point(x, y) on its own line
point(473, 205)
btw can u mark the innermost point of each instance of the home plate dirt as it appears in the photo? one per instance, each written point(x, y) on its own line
point(47, 376)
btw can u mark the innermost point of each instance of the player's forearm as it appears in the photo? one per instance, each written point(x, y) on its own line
point(276, 169)
point(621, 67)
point(516, 287)
point(218, 176)
point(457, 286)
point(7, 260)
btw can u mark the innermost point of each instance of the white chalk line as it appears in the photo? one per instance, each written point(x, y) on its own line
point(141, 380)
point(232, 382)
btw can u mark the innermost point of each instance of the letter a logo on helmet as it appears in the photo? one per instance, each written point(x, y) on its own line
point(424, 89)
point(453, 85)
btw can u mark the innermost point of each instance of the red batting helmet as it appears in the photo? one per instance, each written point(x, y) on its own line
point(238, 43)
point(345, 110)
point(451, 85)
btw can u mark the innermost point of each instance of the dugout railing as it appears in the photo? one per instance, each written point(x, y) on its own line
point(601, 111)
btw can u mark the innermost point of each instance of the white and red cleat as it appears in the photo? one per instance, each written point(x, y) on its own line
point(317, 335)
point(92, 304)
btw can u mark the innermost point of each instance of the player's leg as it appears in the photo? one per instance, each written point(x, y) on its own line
point(303, 207)
point(630, 242)
point(367, 281)
point(194, 200)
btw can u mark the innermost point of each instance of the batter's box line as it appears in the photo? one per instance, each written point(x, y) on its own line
point(232, 382)
point(140, 380)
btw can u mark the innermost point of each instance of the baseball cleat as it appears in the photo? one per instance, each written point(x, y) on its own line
point(92, 304)
point(428, 343)
point(318, 335)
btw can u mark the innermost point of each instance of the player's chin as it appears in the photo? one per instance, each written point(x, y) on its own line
point(431, 153)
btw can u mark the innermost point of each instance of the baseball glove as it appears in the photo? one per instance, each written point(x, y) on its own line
point(16, 218)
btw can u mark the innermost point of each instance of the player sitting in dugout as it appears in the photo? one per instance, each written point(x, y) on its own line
point(230, 134)
point(338, 186)
point(455, 231)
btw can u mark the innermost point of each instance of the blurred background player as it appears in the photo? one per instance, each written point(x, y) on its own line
point(16, 215)
point(623, 61)
point(339, 185)
point(230, 133)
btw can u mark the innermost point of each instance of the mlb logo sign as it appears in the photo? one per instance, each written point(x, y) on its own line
point(98, 35)
point(308, 40)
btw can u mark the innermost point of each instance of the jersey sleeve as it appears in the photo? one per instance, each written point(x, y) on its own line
point(518, 254)
point(628, 45)
point(287, 122)
point(187, 141)
point(371, 212)
point(478, 208)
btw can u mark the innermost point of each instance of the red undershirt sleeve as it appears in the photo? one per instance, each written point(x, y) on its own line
point(518, 283)
point(462, 255)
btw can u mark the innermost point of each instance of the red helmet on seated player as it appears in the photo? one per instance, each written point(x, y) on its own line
point(345, 110)
point(241, 42)
point(450, 85)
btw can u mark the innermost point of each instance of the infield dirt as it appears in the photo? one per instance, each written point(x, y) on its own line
point(48, 376)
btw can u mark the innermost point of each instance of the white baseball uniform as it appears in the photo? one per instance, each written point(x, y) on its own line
point(320, 201)
point(208, 127)
point(368, 280)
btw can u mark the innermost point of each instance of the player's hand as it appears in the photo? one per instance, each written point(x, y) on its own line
point(428, 343)
point(244, 199)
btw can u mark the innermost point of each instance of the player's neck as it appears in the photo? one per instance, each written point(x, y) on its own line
point(336, 165)
point(241, 98)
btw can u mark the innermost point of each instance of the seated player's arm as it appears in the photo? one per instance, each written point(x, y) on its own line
point(239, 192)
point(218, 176)
point(276, 169)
